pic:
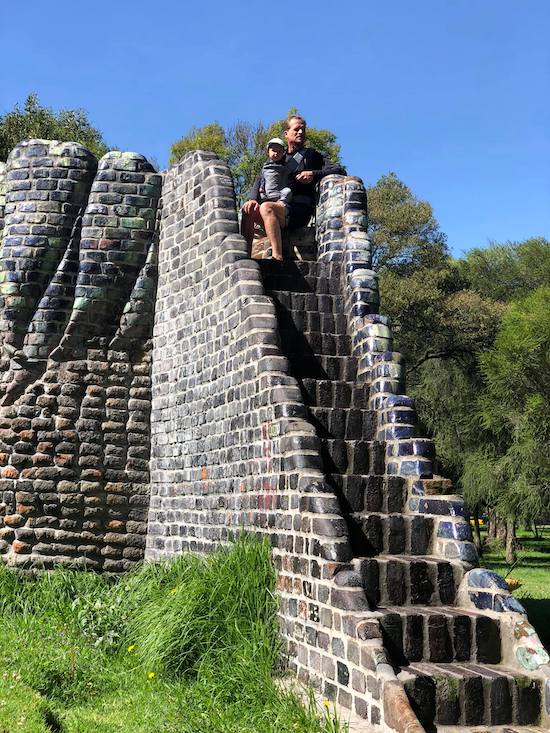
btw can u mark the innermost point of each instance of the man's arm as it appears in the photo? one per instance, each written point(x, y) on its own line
point(326, 168)
point(317, 167)
point(253, 197)
point(254, 194)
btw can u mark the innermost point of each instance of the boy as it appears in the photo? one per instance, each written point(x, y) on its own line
point(272, 186)
point(275, 174)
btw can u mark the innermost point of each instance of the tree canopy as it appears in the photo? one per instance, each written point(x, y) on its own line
point(36, 121)
point(513, 411)
point(510, 270)
point(476, 336)
point(404, 233)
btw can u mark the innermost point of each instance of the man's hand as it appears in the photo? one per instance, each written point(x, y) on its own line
point(305, 177)
point(250, 206)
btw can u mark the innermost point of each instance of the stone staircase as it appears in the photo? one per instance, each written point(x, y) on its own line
point(467, 694)
point(448, 658)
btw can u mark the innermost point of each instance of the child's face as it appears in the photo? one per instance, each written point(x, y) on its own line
point(275, 152)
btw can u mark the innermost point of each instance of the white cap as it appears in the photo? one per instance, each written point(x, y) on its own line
point(275, 141)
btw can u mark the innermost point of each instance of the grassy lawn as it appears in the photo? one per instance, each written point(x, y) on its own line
point(533, 571)
point(187, 646)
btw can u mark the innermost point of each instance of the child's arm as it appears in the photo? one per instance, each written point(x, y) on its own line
point(286, 195)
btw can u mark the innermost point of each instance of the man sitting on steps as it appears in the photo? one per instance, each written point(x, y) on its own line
point(307, 168)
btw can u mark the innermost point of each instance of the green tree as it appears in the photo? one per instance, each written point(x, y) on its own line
point(435, 316)
point(210, 137)
point(445, 319)
point(506, 271)
point(514, 415)
point(441, 328)
point(36, 121)
point(243, 147)
point(404, 233)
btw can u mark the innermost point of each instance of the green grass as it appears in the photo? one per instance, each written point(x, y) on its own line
point(533, 571)
point(186, 646)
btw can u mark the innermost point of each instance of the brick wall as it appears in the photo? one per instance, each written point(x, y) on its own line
point(77, 279)
point(232, 448)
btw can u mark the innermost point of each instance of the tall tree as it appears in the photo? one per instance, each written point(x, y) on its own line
point(510, 270)
point(209, 137)
point(404, 233)
point(441, 328)
point(514, 411)
point(35, 120)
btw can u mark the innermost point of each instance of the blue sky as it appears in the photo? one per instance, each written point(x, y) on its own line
point(452, 95)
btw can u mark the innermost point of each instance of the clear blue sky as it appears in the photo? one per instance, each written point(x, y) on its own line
point(452, 95)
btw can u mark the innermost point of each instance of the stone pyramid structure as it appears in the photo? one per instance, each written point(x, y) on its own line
point(163, 391)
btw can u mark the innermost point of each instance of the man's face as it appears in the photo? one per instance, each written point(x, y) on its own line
point(275, 152)
point(296, 133)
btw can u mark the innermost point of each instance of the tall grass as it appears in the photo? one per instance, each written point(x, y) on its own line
point(198, 612)
point(188, 645)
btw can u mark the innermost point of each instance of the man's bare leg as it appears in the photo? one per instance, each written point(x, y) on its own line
point(248, 220)
point(274, 215)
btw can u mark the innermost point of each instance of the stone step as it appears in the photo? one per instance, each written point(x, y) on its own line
point(350, 423)
point(369, 493)
point(408, 580)
point(310, 322)
point(305, 277)
point(440, 634)
point(318, 303)
point(391, 534)
point(322, 366)
point(287, 268)
point(313, 342)
point(333, 393)
point(471, 694)
point(345, 456)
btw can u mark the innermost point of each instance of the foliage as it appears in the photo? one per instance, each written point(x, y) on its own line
point(36, 121)
point(445, 394)
point(404, 233)
point(433, 316)
point(506, 271)
point(242, 146)
point(441, 328)
point(478, 368)
point(210, 137)
point(515, 407)
point(187, 645)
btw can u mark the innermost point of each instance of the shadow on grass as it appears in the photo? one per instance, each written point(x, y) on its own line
point(496, 562)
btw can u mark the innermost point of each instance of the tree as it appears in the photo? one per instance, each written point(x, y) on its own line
point(404, 233)
point(510, 270)
point(514, 414)
point(441, 328)
point(36, 121)
point(445, 319)
point(210, 137)
point(242, 146)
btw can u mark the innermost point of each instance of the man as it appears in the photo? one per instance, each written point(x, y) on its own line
point(274, 216)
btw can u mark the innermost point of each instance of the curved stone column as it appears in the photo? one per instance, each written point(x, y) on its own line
point(47, 185)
